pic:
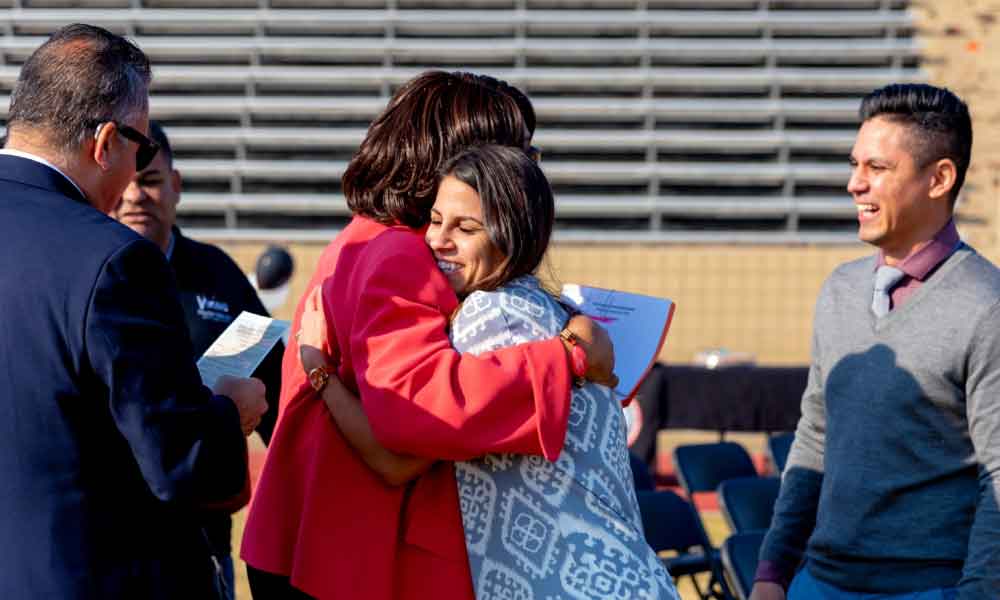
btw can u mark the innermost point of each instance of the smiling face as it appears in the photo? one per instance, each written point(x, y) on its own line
point(149, 203)
point(899, 202)
point(458, 238)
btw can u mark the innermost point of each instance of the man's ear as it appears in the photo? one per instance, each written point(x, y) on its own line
point(103, 138)
point(944, 175)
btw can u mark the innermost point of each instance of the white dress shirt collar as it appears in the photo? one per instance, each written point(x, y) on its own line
point(39, 159)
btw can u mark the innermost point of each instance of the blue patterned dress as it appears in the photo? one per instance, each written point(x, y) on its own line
point(537, 530)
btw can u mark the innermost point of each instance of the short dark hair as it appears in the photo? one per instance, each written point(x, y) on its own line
point(81, 76)
point(159, 136)
point(517, 203)
point(393, 176)
point(938, 122)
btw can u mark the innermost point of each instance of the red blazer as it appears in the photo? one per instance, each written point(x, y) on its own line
point(319, 514)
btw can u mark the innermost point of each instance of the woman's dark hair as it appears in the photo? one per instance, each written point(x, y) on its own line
point(393, 177)
point(518, 209)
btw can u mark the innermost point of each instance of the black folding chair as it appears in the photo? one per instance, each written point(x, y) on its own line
point(748, 502)
point(779, 445)
point(702, 467)
point(671, 524)
point(739, 558)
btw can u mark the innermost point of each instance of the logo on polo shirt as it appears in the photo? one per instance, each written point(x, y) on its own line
point(211, 309)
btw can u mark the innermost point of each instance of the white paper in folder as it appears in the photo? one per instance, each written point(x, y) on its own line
point(241, 347)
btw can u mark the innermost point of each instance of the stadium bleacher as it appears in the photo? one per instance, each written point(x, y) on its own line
point(659, 120)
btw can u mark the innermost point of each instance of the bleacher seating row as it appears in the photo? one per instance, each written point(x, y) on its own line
point(463, 21)
point(660, 120)
point(490, 51)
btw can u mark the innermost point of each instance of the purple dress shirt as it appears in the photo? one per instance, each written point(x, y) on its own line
point(920, 264)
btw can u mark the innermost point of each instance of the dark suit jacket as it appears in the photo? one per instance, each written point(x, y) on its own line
point(108, 440)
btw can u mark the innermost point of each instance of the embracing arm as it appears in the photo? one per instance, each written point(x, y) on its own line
point(346, 409)
point(394, 469)
point(981, 574)
point(344, 406)
point(421, 396)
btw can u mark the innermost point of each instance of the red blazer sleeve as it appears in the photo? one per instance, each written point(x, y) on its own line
point(424, 398)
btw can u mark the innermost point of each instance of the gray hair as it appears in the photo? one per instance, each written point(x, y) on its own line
point(81, 76)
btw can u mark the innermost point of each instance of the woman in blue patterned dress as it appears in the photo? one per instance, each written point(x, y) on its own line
point(534, 529)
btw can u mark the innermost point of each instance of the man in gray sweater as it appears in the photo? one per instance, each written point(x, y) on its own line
point(893, 481)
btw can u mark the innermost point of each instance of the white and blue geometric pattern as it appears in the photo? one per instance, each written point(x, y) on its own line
point(528, 533)
point(549, 480)
point(497, 582)
point(477, 499)
point(598, 566)
point(549, 530)
point(582, 429)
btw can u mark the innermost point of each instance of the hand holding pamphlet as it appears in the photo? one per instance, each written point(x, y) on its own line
point(637, 326)
point(241, 347)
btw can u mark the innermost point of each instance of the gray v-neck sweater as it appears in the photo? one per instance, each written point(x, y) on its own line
point(893, 481)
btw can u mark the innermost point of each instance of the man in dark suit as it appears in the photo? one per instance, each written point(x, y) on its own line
point(109, 442)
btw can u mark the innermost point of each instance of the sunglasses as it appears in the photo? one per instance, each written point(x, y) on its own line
point(147, 149)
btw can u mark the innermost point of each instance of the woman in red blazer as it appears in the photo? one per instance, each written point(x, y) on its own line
point(322, 524)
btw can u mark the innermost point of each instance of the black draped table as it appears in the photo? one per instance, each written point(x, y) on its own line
point(736, 398)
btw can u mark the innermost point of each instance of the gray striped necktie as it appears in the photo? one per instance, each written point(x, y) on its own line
point(885, 278)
